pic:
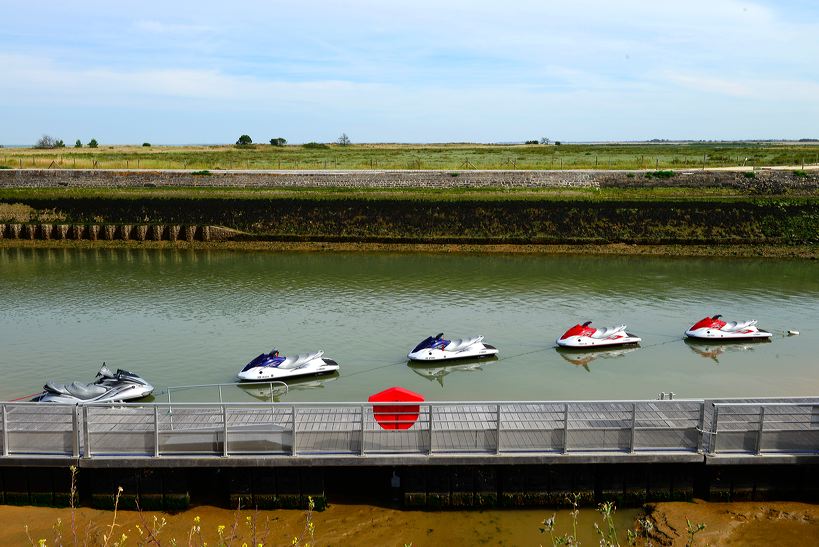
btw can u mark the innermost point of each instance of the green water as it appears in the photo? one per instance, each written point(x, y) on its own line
point(185, 317)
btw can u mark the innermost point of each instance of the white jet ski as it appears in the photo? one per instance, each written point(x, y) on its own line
point(438, 349)
point(108, 387)
point(272, 366)
point(585, 336)
point(714, 328)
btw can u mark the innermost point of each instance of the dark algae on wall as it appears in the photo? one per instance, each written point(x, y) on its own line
point(399, 218)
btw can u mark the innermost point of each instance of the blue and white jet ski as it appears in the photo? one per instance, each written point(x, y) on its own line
point(438, 349)
point(272, 366)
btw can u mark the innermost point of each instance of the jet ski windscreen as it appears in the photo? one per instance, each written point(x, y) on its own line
point(427, 343)
point(430, 343)
point(263, 360)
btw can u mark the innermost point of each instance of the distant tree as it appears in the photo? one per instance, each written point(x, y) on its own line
point(558, 143)
point(93, 143)
point(278, 141)
point(146, 144)
point(315, 145)
point(78, 144)
point(343, 140)
point(59, 144)
point(530, 142)
point(46, 141)
point(544, 140)
point(244, 140)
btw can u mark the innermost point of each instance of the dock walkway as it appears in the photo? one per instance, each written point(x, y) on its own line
point(227, 434)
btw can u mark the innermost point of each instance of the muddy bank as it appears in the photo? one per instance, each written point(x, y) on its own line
point(738, 523)
point(338, 525)
point(727, 524)
point(810, 252)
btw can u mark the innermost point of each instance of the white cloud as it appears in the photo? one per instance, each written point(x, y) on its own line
point(161, 27)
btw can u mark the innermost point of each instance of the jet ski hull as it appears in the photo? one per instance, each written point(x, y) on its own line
point(752, 333)
point(585, 342)
point(310, 368)
point(475, 351)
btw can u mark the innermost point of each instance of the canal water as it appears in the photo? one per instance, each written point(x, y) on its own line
point(196, 317)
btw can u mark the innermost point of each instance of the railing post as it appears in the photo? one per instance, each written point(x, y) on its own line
point(712, 446)
point(701, 428)
point(156, 432)
point(633, 422)
point(363, 438)
point(293, 415)
point(5, 432)
point(86, 434)
point(566, 428)
point(498, 426)
point(759, 431)
point(75, 430)
point(225, 428)
point(220, 394)
point(430, 429)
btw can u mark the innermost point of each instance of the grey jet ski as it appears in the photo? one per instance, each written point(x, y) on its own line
point(108, 386)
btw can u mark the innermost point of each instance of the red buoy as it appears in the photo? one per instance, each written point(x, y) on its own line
point(396, 416)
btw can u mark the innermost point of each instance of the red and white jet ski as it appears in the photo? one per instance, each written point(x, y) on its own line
point(714, 328)
point(586, 336)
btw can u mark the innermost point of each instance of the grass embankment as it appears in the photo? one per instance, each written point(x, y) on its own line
point(460, 218)
point(411, 156)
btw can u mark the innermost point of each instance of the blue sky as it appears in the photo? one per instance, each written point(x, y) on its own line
point(421, 71)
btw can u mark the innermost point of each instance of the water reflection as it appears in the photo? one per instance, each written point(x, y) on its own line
point(436, 372)
point(712, 350)
point(265, 392)
point(583, 357)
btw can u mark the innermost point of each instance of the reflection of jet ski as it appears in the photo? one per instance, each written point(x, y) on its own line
point(584, 357)
point(437, 371)
point(711, 350)
point(714, 328)
point(586, 336)
point(438, 349)
point(262, 391)
point(272, 366)
point(107, 387)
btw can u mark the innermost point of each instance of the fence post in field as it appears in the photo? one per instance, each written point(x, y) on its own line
point(293, 415)
point(156, 428)
point(86, 433)
point(5, 432)
point(225, 431)
point(498, 443)
point(430, 429)
point(75, 432)
point(566, 428)
point(363, 438)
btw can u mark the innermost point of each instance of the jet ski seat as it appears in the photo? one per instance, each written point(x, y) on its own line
point(734, 326)
point(462, 343)
point(85, 391)
point(300, 359)
point(605, 332)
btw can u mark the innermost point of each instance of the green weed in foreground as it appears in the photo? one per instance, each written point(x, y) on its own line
point(606, 530)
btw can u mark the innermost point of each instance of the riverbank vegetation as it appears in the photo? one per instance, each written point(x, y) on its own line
point(657, 156)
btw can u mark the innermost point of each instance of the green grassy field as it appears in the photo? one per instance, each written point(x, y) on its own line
point(444, 156)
